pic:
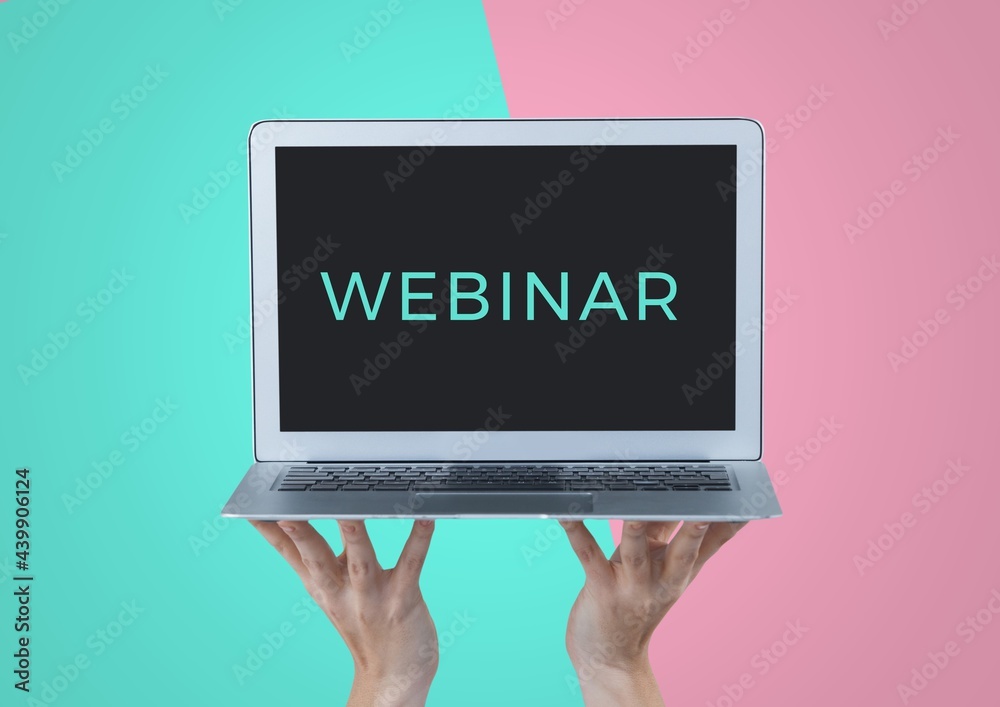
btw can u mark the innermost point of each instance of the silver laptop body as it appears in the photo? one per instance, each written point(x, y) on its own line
point(507, 318)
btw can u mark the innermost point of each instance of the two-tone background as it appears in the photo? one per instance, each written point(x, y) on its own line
point(125, 362)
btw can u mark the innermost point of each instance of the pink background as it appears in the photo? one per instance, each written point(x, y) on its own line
point(827, 355)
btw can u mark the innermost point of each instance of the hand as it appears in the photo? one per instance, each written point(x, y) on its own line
point(380, 614)
point(623, 600)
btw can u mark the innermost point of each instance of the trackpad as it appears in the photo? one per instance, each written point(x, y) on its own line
point(504, 502)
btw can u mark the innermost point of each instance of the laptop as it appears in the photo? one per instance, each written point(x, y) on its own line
point(506, 318)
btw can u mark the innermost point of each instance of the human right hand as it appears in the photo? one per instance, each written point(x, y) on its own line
point(623, 599)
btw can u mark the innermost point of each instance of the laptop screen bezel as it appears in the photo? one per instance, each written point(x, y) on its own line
point(743, 443)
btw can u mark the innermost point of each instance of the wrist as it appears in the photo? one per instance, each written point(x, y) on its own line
point(628, 682)
point(404, 687)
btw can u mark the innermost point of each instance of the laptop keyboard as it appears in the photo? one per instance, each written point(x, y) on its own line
point(657, 477)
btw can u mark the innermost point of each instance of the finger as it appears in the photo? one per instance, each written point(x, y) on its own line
point(717, 536)
point(682, 552)
point(317, 557)
point(283, 544)
point(411, 559)
point(595, 564)
point(634, 551)
point(362, 565)
point(659, 533)
point(661, 530)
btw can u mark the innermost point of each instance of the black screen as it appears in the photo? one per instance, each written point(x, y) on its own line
point(362, 212)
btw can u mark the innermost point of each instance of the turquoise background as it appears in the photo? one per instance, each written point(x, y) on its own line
point(209, 590)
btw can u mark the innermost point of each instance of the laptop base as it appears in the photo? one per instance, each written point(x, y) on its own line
point(259, 497)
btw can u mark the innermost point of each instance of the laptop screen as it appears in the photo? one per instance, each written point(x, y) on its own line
point(537, 288)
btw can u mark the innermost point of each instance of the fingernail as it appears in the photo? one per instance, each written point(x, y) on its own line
point(287, 527)
point(701, 526)
point(425, 523)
